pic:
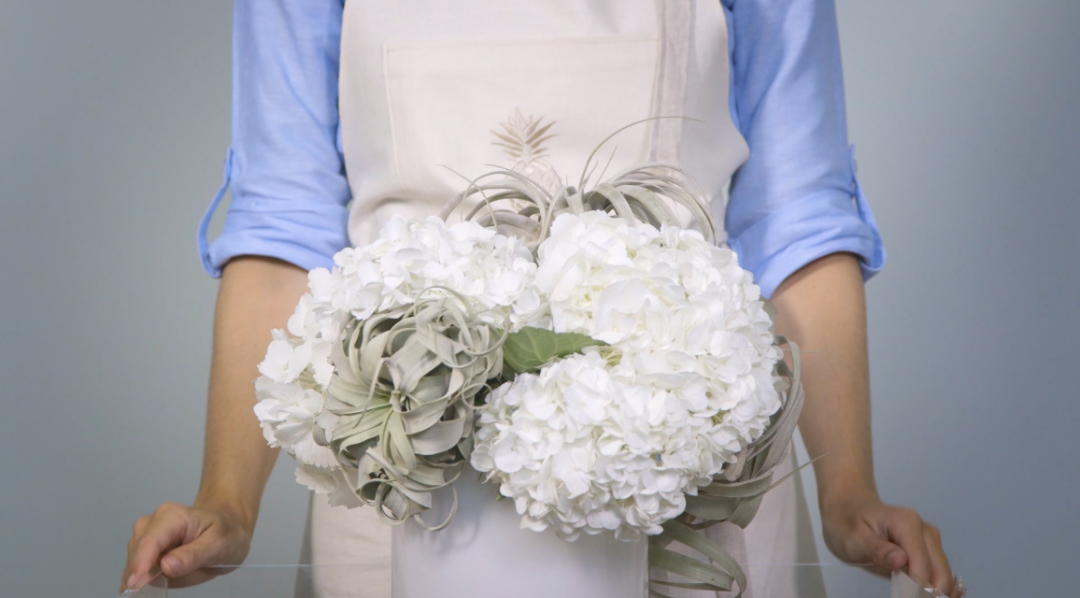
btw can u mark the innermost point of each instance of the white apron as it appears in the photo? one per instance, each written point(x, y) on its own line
point(424, 86)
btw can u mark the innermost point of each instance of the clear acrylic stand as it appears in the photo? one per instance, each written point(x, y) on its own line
point(282, 581)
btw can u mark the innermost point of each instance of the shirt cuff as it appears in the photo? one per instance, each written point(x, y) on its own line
point(304, 234)
point(811, 228)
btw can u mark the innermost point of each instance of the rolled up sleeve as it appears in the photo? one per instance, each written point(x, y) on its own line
point(284, 167)
point(797, 197)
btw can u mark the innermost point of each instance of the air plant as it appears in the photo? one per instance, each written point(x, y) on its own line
point(403, 391)
point(646, 193)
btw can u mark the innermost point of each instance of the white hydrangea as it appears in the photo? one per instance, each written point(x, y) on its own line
point(494, 271)
point(287, 358)
point(411, 256)
point(290, 399)
point(288, 414)
point(650, 292)
point(588, 445)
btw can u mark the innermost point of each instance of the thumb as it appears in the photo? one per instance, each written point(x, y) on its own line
point(202, 551)
point(883, 554)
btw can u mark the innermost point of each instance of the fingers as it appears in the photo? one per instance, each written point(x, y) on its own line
point(886, 556)
point(941, 575)
point(891, 538)
point(205, 550)
point(136, 533)
point(182, 541)
point(168, 527)
point(906, 530)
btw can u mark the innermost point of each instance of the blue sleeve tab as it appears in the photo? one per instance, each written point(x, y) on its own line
point(876, 261)
point(204, 224)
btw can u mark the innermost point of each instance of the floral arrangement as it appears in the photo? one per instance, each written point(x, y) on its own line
point(608, 368)
point(372, 390)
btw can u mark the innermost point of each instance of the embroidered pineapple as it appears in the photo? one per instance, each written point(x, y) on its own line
point(523, 137)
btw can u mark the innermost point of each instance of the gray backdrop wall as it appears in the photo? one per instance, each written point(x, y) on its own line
point(113, 126)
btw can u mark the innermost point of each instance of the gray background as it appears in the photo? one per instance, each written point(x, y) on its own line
point(113, 126)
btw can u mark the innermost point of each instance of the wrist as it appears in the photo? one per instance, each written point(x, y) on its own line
point(842, 494)
point(242, 510)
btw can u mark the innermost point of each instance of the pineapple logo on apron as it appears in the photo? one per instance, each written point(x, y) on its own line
point(522, 138)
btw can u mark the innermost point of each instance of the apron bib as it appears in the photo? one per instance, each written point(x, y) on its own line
point(433, 94)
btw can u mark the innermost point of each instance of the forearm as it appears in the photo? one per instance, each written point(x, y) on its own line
point(256, 295)
point(822, 307)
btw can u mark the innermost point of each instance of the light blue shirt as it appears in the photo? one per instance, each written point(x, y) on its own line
point(795, 200)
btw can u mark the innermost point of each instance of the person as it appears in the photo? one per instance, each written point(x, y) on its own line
point(361, 101)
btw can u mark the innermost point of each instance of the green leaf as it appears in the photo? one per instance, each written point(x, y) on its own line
point(528, 349)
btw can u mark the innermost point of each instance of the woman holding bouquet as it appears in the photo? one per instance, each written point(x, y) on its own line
point(363, 102)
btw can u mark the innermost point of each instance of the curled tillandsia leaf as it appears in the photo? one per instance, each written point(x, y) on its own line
point(403, 394)
point(516, 205)
point(510, 202)
point(733, 496)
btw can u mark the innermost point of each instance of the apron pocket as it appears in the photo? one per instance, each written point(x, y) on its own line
point(467, 105)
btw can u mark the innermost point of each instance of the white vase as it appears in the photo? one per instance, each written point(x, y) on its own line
point(484, 553)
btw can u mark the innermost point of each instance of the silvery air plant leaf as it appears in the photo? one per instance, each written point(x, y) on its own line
point(609, 366)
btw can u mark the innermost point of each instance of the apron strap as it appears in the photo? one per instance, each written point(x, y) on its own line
point(674, 22)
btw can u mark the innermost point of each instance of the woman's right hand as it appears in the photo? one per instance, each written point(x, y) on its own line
point(182, 540)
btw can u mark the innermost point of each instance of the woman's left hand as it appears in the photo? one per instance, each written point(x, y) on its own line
point(864, 529)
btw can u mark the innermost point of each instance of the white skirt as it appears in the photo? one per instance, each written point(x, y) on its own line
point(780, 536)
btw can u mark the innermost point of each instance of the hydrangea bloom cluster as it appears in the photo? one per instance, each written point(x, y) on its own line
point(583, 446)
point(591, 443)
point(410, 258)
